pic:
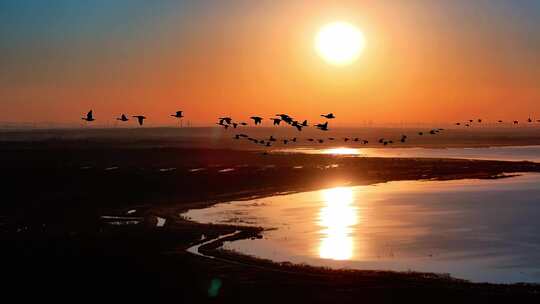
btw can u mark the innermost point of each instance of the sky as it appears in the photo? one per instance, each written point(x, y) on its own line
point(424, 60)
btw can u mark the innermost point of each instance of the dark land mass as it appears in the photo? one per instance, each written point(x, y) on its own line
point(57, 247)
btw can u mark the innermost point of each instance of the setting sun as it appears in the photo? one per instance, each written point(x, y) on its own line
point(339, 43)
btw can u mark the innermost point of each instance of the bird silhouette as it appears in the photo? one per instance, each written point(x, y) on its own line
point(365, 142)
point(140, 119)
point(272, 138)
point(234, 124)
point(420, 133)
point(293, 139)
point(123, 117)
point(500, 121)
point(480, 120)
point(322, 127)
point(223, 125)
point(331, 138)
point(243, 123)
point(276, 121)
point(320, 141)
point(516, 122)
point(346, 139)
point(256, 119)
point(227, 120)
point(310, 139)
point(328, 116)
point(458, 124)
point(285, 141)
point(304, 123)
point(178, 114)
point(529, 120)
point(286, 118)
point(381, 140)
point(89, 116)
point(297, 125)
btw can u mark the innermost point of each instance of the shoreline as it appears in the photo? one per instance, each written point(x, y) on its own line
point(59, 221)
point(214, 248)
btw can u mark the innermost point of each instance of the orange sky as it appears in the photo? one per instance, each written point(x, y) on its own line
point(424, 61)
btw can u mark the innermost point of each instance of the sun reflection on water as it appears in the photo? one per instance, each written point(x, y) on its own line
point(337, 218)
point(341, 151)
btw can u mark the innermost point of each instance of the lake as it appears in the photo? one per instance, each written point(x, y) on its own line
point(508, 153)
point(480, 230)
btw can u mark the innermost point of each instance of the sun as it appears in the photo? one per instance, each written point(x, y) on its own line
point(339, 43)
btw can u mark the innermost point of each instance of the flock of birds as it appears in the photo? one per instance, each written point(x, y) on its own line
point(228, 122)
point(123, 117)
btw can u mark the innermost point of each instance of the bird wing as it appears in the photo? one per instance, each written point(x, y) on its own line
point(89, 115)
point(140, 119)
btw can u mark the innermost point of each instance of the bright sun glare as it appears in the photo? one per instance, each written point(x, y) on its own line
point(339, 43)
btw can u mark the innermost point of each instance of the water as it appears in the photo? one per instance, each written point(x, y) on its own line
point(509, 153)
point(480, 230)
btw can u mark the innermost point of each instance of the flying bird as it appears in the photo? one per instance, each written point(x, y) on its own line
point(140, 119)
point(276, 121)
point(329, 116)
point(89, 116)
point(122, 118)
point(298, 126)
point(256, 119)
point(227, 120)
point(223, 125)
point(322, 127)
point(178, 114)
